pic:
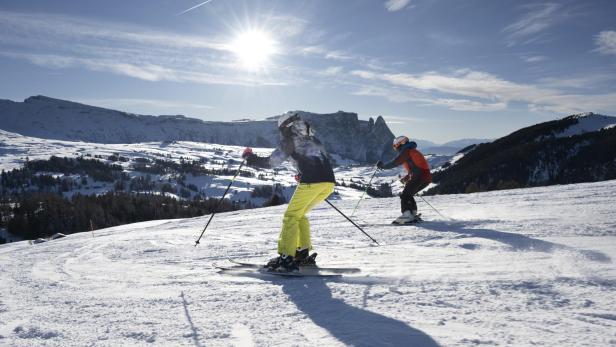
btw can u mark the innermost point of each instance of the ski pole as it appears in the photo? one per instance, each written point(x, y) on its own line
point(365, 191)
point(349, 219)
point(422, 198)
point(220, 202)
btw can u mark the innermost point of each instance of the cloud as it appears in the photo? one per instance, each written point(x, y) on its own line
point(53, 30)
point(586, 81)
point(534, 58)
point(538, 18)
point(576, 103)
point(147, 71)
point(332, 71)
point(468, 105)
point(339, 55)
point(389, 93)
point(127, 50)
point(463, 82)
point(606, 42)
point(469, 90)
point(396, 5)
point(401, 96)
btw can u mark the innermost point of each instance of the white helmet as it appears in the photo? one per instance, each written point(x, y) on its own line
point(293, 124)
point(399, 141)
point(287, 119)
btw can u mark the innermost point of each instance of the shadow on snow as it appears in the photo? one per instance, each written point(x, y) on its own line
point(517, 242)
point(195, 332)
point(351, 325)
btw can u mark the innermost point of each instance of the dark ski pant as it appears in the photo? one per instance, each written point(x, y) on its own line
point(407, 201)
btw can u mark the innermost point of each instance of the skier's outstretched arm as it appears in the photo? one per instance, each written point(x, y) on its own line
point(274, 160)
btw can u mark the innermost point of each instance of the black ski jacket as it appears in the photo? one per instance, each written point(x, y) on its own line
point(306, 153)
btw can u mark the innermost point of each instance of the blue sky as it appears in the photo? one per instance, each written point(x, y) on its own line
point(434, 69)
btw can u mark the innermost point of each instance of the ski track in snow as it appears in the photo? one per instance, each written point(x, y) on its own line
point(518, 267)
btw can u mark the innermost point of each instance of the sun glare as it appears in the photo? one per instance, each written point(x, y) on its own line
point(254, 49)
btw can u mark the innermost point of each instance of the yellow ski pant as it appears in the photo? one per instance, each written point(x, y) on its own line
point(295, 227)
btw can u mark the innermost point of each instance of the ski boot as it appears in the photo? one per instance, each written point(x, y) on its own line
point(283, 263)
point(304, 258)
point(407, 217)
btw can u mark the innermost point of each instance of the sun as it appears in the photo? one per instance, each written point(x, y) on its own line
point(254, 49)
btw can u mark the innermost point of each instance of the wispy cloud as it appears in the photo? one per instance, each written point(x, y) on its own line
point(401, 96)
point(144, 71)
point(534, 58)
point(468, 105)
point(537, 19)
point(586, 81)
point(338, 55)
point(606, 42)
point(396, 5)
point(332, 71)
point(468, 90)
point(390, 93)
point(464, 82)
point(126, 50)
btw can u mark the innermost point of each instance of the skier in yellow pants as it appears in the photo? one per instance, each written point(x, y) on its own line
point(316, 182)
point(295, 234)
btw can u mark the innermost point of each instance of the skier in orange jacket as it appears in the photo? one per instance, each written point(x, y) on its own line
point(418, 176)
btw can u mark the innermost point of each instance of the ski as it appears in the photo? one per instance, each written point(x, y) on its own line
point(338, 270)
point(393, 225)
point(264, 271)
point(415, 221)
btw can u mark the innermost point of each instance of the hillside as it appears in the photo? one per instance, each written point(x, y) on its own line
point(94, 183)
point(43, 117)
point(518, 267)
point(578, 148)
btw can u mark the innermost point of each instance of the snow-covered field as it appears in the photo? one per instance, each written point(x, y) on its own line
point(520, 267)
point(15, 149)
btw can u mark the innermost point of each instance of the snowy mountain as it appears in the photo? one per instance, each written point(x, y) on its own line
point(519, 267)
point(39, 116)
point(577, 148)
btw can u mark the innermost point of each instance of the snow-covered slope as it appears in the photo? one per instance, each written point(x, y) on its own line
point(577, 148)
point(587, 122)
point(520, 267)
point(15, 149)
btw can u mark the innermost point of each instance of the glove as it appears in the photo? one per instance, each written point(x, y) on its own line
point(405, 179)
point(379, 165)
point(298, 178)
point(247, 152)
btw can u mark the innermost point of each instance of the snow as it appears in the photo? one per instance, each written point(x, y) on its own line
point(588, 122)
point(517, 267)
point(15, 149)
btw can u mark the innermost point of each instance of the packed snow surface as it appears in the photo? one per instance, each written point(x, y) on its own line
point(518, 267)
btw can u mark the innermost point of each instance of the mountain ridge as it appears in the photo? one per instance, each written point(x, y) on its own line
point(45, 117)
point(576, 148)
